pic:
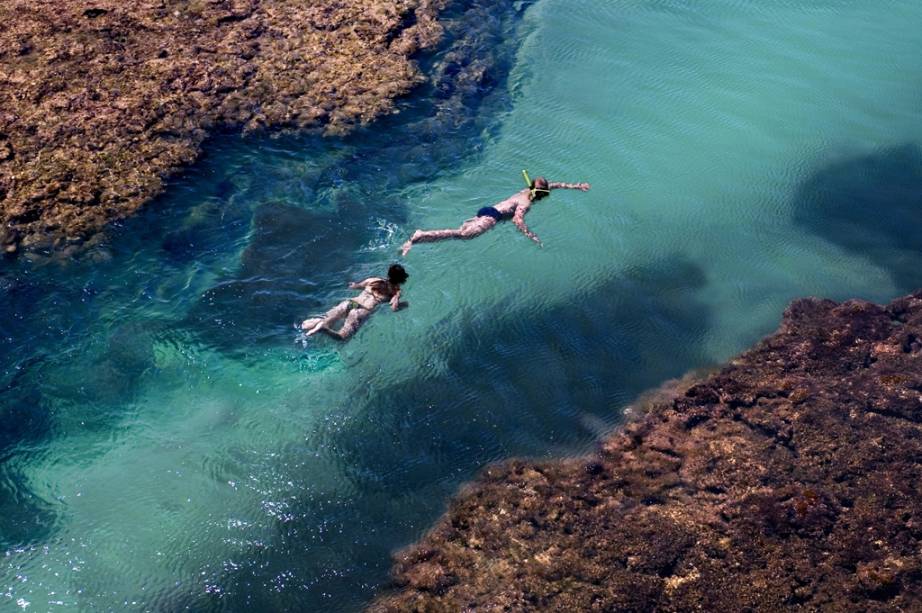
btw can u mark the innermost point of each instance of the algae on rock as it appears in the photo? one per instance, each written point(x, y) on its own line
point(788, 480)
point(101, 101)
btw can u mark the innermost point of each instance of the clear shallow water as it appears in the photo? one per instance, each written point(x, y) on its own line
point(166, 443)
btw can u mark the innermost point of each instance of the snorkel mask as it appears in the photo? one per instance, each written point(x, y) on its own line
point(533, 190)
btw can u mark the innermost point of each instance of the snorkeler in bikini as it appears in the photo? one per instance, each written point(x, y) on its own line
point(513, 208)
point(375, 291)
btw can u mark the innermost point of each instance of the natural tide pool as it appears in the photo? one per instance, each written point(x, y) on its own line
point(168, 443)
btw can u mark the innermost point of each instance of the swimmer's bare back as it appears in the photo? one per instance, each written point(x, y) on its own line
point(514, 207)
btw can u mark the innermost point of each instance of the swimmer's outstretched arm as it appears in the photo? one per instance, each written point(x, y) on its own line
point(395, 301)
point(583, 187)
point(519, 220)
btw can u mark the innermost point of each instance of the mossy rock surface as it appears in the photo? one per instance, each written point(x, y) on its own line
point(789, 480)
point(100, 102)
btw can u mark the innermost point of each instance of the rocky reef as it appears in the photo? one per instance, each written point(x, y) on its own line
point(791, 478)
point(101, 101)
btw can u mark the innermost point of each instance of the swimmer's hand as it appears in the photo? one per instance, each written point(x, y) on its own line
point(583, 187)
point(400, 305)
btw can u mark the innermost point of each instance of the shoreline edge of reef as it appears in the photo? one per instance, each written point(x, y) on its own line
point(100, 102)
point(787, 479)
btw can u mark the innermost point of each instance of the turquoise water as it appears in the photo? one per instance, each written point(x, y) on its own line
point(169, 442)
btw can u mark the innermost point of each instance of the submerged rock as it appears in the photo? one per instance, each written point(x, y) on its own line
point(99, 103)
point(789, 479)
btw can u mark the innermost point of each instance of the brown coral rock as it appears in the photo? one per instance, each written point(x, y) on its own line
point(100, 101)
point(788, 480)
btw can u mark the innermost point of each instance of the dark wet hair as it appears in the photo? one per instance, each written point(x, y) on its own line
point(396, 274)
point(540, 188)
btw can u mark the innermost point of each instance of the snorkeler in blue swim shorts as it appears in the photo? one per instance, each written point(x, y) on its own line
point(513, 208)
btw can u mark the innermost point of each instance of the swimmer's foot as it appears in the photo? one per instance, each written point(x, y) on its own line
point(312, 326)
point(322, 325)
point(409, 244)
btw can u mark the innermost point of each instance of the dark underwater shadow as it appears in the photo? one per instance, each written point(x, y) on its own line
point(45, 371)
point(498, 393)
point(26, 416)
point(55, 353)
point(870, 206)
point(25, 419)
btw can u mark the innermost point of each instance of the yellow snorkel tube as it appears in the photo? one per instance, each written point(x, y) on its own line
point(534, 190)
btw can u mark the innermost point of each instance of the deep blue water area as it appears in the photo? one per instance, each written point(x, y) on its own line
point(869, 205)
point(168, 441)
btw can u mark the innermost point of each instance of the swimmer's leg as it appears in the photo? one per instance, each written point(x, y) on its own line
point(307, 324)
point(468, 229)
point(354, 321)
point(313, 326)
point(476, 227)
point(429, 236)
